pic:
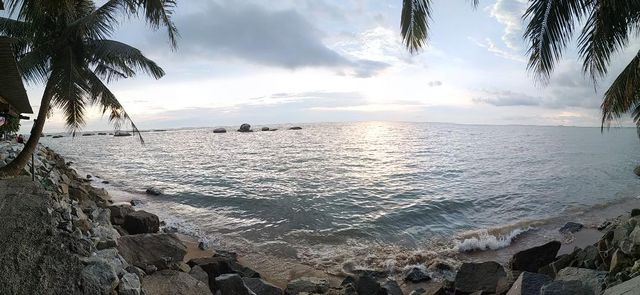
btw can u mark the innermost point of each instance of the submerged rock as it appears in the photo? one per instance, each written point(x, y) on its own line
point(416, 275)
point(154, 191)
point(141, 222)
point(533, 259)
point(571, 227)
point(489, 277)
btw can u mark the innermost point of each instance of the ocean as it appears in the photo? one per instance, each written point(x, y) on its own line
point(371, 194)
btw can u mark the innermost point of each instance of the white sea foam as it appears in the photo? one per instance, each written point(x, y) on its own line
point(485, 241)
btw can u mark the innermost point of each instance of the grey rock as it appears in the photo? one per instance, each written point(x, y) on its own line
point(636, 211)
point(129, 285)
point(416, 275)
point(571, 227)
point(528, 284)
point(533, 259)
point(171, 282)
point(592, 280)
point(245, 128)
point(637, 170)
point(113, 258)
point(260, 287)
point(154, 191)
point(151, 249)
point(231, 284)
point(106, 237)
point(553, 268)
point(619, 261)
point(119, 212)
point(630, 287)
point(101, 216)
point(564, 288)
point(419, 291)
point(295, 128)
point(391, 287)
point(99, 277)
point(265, 128)
point(135, 270)
point(219, 130)
point(488, 277)
point(141, 222)
point(198, 273)
point(307, 285)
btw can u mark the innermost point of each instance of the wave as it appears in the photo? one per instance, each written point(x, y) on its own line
point(486, 241)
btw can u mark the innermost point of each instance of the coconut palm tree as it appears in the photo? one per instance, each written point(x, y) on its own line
point(606, 29)
point(65, 45)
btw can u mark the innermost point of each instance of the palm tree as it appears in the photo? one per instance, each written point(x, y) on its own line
point(552, 24)
point(65, 45)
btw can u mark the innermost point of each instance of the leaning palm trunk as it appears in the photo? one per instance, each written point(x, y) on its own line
point(17, 165)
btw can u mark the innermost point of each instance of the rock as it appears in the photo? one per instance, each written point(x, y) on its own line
point(129, 285)
point(105, 182)
point(391, 287)
point(151, 249)
point(363, 284)
point(591, 279)
point(136, 270)
point(98, 277)
point(295, 128)
point(636, 211)
point(528, 283)
point(180, 266)
point(637, 170)
point(141, 222)
point(554, 267)
point(571, 227)
point(265, 128)
point(119, 212)
point(136, 202)
point(245, 128)
point(213, 267)
point(619, 261)
point(106, 237)
point(533, 259)
point(111, 257)
point(171, 282)
point(564, 288)
point(488, 277)
point(198, 273)
point(630, 287)
point(419, 291)
point(89, 176)
point(307, 285)
point(219, 130)
point(416, 275)
point(101, 216)
point(231, 284)
point(154, 191)
point(604, 225)
point(203, 246)
point(260, 287)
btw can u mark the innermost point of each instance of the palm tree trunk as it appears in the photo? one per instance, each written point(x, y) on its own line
point(15, 167)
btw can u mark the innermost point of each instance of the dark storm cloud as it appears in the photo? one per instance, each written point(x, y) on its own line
point(256, 34)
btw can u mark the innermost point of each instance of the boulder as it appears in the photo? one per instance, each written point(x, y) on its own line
point(630, 287)
point(141, 222)
point(553, 268)
point(416, 275)
point(171, 282)
point(231, 284)
point(129, 285)
point(159, 250)
point(119, 212)
point(105, 237)
point(219, 130)
point(533, 259)
point(260, 287)
point(101, 216)
point(528, 283)
point(419, 291)
point(245, 128)
point(154, 191)
point(636, 211)
point(111, 257)
point(213, 267)
point(619, 261)
point(487, 277)
point(564, 288)
point(265, 128)
point(295, 128)
point(198, 273)
point(592, 280)
point(99, 277)
point(571, 227)
point(361, 285)
point(307, 285)
point(637, 170)
point(391, 287)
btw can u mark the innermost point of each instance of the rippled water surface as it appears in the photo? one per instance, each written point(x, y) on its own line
point(372, 183)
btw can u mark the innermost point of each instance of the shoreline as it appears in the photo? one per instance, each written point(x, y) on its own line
point(281, 274)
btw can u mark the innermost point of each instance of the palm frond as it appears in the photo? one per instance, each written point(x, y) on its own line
point(101, 96)
point(122, 57)
point(35, 66)
point(69, 90)
point(101, 22)
point(157, 14)
point(550, 29)
point(623, 95)
point(606, 31)
point(414, 23)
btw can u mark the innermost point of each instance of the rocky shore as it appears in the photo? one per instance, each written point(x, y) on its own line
point(60, 235)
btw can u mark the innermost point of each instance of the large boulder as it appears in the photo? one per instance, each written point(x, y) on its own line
point(245, 128)
point(416, 275)
point(105, 237)
point(553, 268)
point(528, 283)
point(99, 278)
point(564, 288)
point(489, 277)
point(141, 222)
point(198, 273)
point(533, 259)
point(591, 279)
point(213, 267)
point(363, 284)
point(231, 284)
point(129, 285)
point(630, 287)
point(119, 212)
point(307, 285)
point(159, 250)
point(171, 282)
point(260, 287)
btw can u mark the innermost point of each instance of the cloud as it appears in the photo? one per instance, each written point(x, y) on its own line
point(509, 13)
point(278, 38)
point(502, 98)
point(493, 48)
point(434, 83)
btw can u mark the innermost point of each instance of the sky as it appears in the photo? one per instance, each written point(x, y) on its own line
point(303, 61)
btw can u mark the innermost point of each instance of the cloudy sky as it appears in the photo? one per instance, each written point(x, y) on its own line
point(290, 61)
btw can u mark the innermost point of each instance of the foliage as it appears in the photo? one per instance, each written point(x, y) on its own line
point(11, 125)
point(66, 45)
point(606, 29)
